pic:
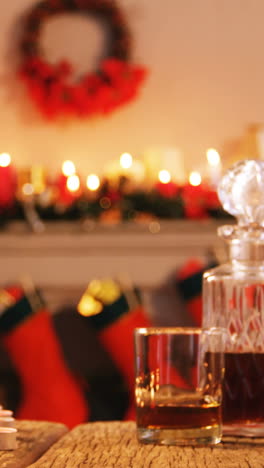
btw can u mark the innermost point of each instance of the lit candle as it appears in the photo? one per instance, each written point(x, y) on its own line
point(92, 182)
point(195, 178)
point(193, 196)
point(68, 168)
point(73, 183)
point(126, 162)
point(166, 186)
point(8, 180)
point(68, 183)
point(164, 176)
point(214, 166)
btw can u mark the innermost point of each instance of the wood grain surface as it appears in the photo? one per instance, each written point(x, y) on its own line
point(114, 445)
point(33, 438)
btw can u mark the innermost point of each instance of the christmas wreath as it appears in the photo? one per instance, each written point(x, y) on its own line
point(52, 87)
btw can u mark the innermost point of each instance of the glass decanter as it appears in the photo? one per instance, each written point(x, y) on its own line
point(233, 298)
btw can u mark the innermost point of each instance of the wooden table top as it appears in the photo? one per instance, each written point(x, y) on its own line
point(34, 439)
point(114, 445)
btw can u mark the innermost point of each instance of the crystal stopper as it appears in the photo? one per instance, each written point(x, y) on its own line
point(241, 192)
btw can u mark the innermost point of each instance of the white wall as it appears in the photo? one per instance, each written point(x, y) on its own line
point(206, 85)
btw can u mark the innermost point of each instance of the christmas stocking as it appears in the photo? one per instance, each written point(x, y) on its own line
point(49, 390)
point(115, 312)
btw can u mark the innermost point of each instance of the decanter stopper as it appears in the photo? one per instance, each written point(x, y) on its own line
point(241, 192)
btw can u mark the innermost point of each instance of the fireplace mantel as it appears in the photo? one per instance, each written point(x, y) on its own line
point(70, 254)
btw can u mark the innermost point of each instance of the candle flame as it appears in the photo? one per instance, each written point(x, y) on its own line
point(5, 159)
point(195, 178)
point(126, 160)
point(68, 168)
point(73, 183)
point(164, 176)
point(93, 182)
point(213, 157)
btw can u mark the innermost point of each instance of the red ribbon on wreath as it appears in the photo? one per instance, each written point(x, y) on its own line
point(52, 88)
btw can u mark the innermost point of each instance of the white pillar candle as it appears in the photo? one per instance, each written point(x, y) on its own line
point(214, 167)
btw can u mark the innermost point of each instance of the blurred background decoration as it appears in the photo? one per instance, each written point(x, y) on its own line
point(125, 192)
point(57, 90)
point(202, 91)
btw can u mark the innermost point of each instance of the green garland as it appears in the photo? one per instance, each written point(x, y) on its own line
point(137, 206)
